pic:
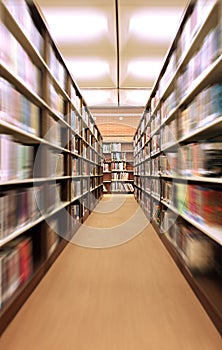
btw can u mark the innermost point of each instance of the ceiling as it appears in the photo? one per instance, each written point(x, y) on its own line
point(113, 48)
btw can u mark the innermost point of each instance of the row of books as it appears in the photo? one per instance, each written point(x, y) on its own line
point(93, 142)
point(85, 133)
point(50, 197)
point(143, 182)
point(94, 182)
point(167, 76)
point(152, 167)
point(145, 201)
point(122, 187)
point(54, 133)
point(168, 134)
point(17, 110)
point(119, 156)
point(92, 124)
point(81, 166)
point(193, 23)
point(85, 167)
point(120, 176)
point(119, 166)
point(16, 266)
point(106, 167)
point(141, 127)
point(168, 163)
point(143, 168)
point(55, 164)
point(76, 166)
point(111, 147)
point(76, 100)
point(81, 148)
point(155, 122)
point(95, 157)
point(155, 144)
point(21, 13)
point(168, 192)
point(198, 252)
point(16, 159)
point(85, 185)
point(76, 122)
point(76, 144)
point(85, 149)
point(200, 159)
point(208, 52)
point(76, 188)
point(203, 203)
point(96, 169)
point(19, 207)
point(57, 68)
point(85, 114)
point(155, 187)
point(205, 108)
point(168, 105)
point(156, 211)
point(56, 101)
point(52, 237)
point(202, 59)
point(75, 213)
point(18, 61)
point(146, 135)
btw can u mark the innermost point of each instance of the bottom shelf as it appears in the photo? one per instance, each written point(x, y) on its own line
point(13, 305)
point(208, 289)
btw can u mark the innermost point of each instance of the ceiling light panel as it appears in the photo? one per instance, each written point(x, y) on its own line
point(134, 97)
point(92, 72)
point(100, 97)
point(145, 69)
point(155, 24)
point(75, 25)
point(88, 69)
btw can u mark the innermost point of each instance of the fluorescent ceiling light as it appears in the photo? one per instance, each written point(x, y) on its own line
point(75, 25)
point(98, 97)
point(86, 69)
point(156, 24)
point(148, 69)
point(135, 97)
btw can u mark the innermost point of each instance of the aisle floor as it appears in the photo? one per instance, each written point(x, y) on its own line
point(125, 296)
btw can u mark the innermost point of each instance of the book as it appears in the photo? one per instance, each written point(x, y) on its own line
point(197, 250)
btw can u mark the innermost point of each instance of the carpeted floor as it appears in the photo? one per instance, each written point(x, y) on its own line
point(129, 296)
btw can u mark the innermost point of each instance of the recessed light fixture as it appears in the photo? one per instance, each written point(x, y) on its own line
point(88, 69)
point(137, 97)
point(156, 24)
point(98, 97)
point(145, 68)
point(75, 25)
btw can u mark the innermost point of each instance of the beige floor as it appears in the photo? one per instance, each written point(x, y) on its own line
point(127, 297)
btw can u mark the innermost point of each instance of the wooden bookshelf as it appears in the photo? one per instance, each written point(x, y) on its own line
point(178, 153)
point(50, 154)
point(118, 171)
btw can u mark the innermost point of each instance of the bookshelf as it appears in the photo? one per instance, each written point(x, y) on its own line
point(50, 154)
point(178, 153)
point(118, 167)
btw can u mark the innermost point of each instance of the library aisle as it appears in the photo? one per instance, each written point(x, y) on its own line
point(127, 297)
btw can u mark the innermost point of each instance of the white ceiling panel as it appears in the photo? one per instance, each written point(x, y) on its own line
point(114, 62)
